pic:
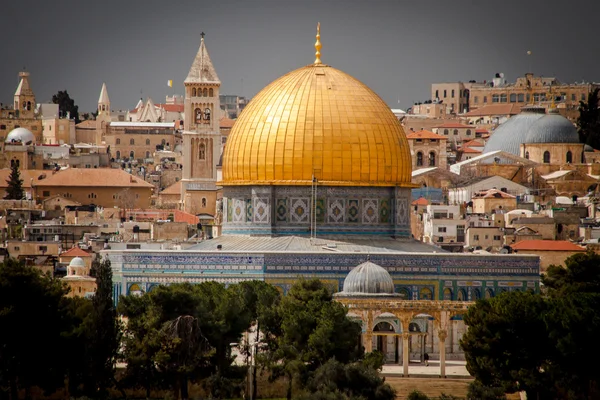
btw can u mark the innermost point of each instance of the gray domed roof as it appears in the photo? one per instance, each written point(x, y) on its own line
point(552, 128)
point(587, 147)
point(21, 135)
point(368, 279)
point(77, 262)
point(510, 135)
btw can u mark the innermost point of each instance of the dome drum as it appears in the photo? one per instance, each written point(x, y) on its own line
point(343, 211)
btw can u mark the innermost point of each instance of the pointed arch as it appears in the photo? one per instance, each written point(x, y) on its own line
point(193, 92)
point(198, 115)
point(448, 294)
point(489, 293)
point(569, 157)
point(546, 157)
point(202, 151)
point(211, 93)
point(461, 295)
point(205, 92)
point(207, 114)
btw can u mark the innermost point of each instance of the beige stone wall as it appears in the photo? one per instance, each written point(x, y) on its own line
point(58, 131)
point(33, 124)
point(80, 288)
point(23, 154)
point(19, 248)
point(142, 145)
point(425, 147)
point(452, 94)
point(485, 237)
point(136, 197)
point(488, 205)
point(548, 231)
point(169, 231)
point(512, 239)
point(169, 201)
point(201, 202)
point(558, 152)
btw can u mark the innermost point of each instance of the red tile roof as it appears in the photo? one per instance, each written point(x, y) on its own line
point(547, 245)
point(173, 189)
point(171, 107)
point(425, 135)
point(226, 122)
point(75, 252)
point(91, 177)
point(470, 150)
point(454, 125)
point(421, 201)
point(473, 143)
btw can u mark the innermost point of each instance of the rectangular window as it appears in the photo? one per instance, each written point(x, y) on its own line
point(43, 248)
point(46, 193)
point(495, 98)
point(440, 239)
point(521, 98)
point(503, 98)
point(441, 229)
point(486, 237)
point(452, 93)
point(445, 93)
point(573, 97)
point(497, 237)
point(475, 237)
point(475, 100)
point(485, 99)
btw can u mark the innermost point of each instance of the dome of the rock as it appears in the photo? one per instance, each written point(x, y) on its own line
point(317, 121)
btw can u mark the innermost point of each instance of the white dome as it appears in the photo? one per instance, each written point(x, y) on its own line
point(368, 279)
point(20, 135)
point(77, 262)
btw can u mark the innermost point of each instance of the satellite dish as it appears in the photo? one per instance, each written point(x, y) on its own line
point(501, 74)
point(503, 251)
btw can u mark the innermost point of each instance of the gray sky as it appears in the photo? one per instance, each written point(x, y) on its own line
point(398, 48)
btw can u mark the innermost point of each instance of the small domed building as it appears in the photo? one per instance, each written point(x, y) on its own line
point(78, 279)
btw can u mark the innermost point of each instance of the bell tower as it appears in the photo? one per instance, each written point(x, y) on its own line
point(24, 97)
point(103, 118)
point(201, 136)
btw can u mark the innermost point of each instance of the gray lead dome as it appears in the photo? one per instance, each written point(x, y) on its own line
point(368, 279)
point(510, 135)
point(552, 128)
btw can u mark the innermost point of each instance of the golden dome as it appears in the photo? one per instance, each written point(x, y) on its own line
point(319, 121)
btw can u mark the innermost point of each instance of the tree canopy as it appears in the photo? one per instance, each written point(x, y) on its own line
point(14, 190)
point(538, 343)
point(66, 105)
point(588, 122)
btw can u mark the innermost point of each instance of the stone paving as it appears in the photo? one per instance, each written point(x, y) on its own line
point(454, 369)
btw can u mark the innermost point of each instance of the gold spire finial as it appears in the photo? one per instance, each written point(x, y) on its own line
point(318, 44)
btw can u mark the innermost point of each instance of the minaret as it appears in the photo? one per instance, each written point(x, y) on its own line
point(103, 118)
point(201, 135)
point(24, 97)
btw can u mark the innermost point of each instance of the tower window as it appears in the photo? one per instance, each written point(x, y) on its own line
point(204, 202)
point(198, 114)
point(569, 157)
point(205, 92)
point(207, 114)
point(210, 92)
point(193, 92)
point(432, 159)
point(546, 157)
point(202, 152)
point(419, 159)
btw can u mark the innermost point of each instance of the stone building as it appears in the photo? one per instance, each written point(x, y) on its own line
point(22, 114)
point(428, 149)
point(129, 141)
point(551, 252)
point(78, 278)
point(202, 140)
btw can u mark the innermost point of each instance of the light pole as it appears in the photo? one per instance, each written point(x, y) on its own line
point(251, 364)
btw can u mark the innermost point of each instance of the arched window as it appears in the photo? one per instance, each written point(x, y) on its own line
point(132, 141)
point(24, 105)
point(447, 294)
point(103, 107)
point(476, 294)
point(569, 157)
point(546, 157)
point(456, 131)
point(527, 155)
point(28, 105)
point(211, 93)
point(446, 132)
point(403, 292)
point(432, 159)
point(207, 114)
point(147, 142)
point(468, 132)
point(205, 92)
point(202, 152)
point(204, 202)
point(198, 114)
point(426, 294)
point(118, 155)
point(419, 159)
point(193, 92)
point(461, 295)
point(132, 154)
point(489, 293)
point(118, 141)
point(147, 154)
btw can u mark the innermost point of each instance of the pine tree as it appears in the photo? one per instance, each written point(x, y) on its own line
point(588, 123)
point(14, 191)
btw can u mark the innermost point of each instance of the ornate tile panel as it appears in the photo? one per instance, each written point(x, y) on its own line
point(402, 211)
point(229, 209)
point(384, 210)
point(239, 210)
point(281, 210)
point(300, 210)
point(320, 210)
point(336, 210)
point(249, 210)
point(370, 211)
point(262, 210)
point(353, 211)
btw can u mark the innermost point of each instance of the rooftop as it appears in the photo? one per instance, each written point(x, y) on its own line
point(425, 135)
point(495, 109)
point(547, 245)
point(75, 252)
point(90, 177)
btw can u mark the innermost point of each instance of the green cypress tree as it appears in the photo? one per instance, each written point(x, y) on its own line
point(14, 191)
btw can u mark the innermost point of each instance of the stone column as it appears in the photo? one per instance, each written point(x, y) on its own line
point(405, 353)
point(442, 335)
point(368, 341)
